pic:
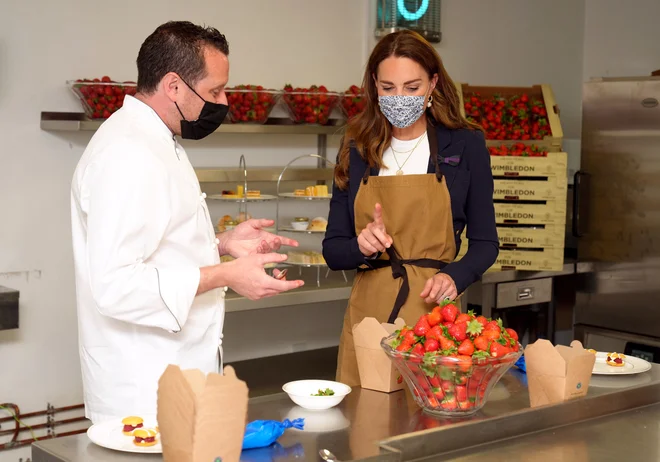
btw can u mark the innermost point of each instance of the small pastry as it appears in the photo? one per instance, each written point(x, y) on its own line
point(145, 437)
point(592, 351)
point(318, 224)
point(321, 190)
point(240, 190)
point(228, 193)
point(243, 216)
point(309, 191)
point(299, 192)
point(131, 423)
point(615, 359)
point(253, 193)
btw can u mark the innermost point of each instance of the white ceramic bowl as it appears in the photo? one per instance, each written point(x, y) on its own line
point(300, 225)
point(301, 392)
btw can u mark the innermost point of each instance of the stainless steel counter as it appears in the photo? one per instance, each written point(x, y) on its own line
point(376, 426)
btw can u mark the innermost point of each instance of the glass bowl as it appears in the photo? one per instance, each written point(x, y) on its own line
point(310, 105)
point(446, 385)
point(353, 102)
point(100, 99)
point(251, 104)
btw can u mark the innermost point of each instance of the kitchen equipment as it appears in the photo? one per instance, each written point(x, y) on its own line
point(616, 217)
point(421, 16)
point(302, 393)
point(464, 386)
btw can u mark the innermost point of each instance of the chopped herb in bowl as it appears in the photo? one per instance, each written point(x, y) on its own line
point(326, 392)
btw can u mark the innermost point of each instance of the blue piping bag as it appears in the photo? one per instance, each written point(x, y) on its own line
point(263, 433)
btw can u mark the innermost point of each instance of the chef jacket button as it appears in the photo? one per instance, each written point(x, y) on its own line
point(217, 241)
point(203, 196)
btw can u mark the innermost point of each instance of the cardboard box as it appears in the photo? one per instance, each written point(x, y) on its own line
point(377, 371)
point(201, 418)
point(557, 373)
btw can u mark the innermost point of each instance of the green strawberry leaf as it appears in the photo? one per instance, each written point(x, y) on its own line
point(446, 373)
point(474, 328)
point(480, 354)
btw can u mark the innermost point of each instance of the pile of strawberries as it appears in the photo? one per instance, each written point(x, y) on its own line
point(250, 103)
point(310, 105)
point(454, 356)
point(518, 150)
point(508, 118)
point(353, 101)
point(102, 97)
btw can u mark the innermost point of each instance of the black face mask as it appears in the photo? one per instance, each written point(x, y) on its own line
point(210, 118)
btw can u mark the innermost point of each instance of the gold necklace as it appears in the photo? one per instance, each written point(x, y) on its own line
point(400, 170)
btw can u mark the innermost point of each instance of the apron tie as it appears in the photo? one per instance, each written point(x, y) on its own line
point(399, 272)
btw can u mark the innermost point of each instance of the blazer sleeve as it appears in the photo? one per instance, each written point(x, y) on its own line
point(340, 246)
point(483, 243)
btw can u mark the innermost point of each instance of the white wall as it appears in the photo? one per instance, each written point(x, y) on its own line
point(621, 39)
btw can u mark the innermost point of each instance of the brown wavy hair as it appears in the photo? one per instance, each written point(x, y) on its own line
point(370, 131)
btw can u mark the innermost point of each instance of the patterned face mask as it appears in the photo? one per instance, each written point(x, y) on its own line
point(402, 110)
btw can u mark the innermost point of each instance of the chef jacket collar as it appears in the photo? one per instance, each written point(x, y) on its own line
point(146, 113)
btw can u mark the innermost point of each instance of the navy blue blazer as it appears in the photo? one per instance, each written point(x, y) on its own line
point(465, 162)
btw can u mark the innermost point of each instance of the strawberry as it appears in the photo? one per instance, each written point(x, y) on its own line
point(512, 333)
point(481, 343)
point(447, 324)
point(403, 346)
point(464, 405)
point(458, 331)
point(431, 345)
point(449, 403)
point(497, 350)
point(422, 327)
point(461, 393)
point(466, 348)
point(463, 317)
point(433, 318)
point(447, 344)
point(494, 325)
point(438, 393)
point(464, 363)
point(447, 386)
point(437, 332)
point(474, 328)
point(418, 350)
point(409, 337)
point(434, 381)
point(482, 320)
point(449, 312)
point(491, 334)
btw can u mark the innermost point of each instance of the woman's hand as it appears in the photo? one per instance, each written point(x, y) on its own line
point(374, 238)
point(438, 288)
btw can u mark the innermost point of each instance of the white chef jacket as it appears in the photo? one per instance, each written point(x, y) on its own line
point(141, 231)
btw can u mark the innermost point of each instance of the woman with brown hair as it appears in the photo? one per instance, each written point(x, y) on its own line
point(411, 175)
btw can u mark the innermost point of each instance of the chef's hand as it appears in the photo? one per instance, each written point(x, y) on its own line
point(249, 238)
point(438, 288)
point(250, 280)
point(374, 238)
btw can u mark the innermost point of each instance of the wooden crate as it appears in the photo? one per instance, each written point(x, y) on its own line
point(553, 142)
point(551, 212)
point(544, 236)
point(530, 190)
point(554, 165)
point(525, 260)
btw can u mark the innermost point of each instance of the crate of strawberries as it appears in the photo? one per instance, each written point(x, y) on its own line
point(452, 360)
point(311, 105)
point(100, 98)
point(251, 103)
point(515, 114)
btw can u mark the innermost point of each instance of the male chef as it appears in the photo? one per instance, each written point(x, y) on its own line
point(150, 286)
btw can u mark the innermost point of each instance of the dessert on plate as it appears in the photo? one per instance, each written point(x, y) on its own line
point(318, 224)
point(615, 359)
point(131, 423)
point(145, 437)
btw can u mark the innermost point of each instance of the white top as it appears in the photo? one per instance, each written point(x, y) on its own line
point(418, 163)
point(141, 231)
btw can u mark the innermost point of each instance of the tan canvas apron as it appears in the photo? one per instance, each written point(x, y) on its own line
point(417, 215)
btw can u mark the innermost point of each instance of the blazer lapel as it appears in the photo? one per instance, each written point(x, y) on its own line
point(447, 153)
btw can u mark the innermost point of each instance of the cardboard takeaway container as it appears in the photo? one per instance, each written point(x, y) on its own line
point(201, 418)
point(557, 373)
point(376, 370)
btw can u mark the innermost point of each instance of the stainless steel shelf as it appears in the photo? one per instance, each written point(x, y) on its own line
point(76, 121)
point(263, 174)
point(332, 289)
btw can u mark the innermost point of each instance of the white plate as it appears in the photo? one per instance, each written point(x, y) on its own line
point(308, 231)
point(108, 434)
point(220, 197)
point(306, 198)
point(631, 366)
